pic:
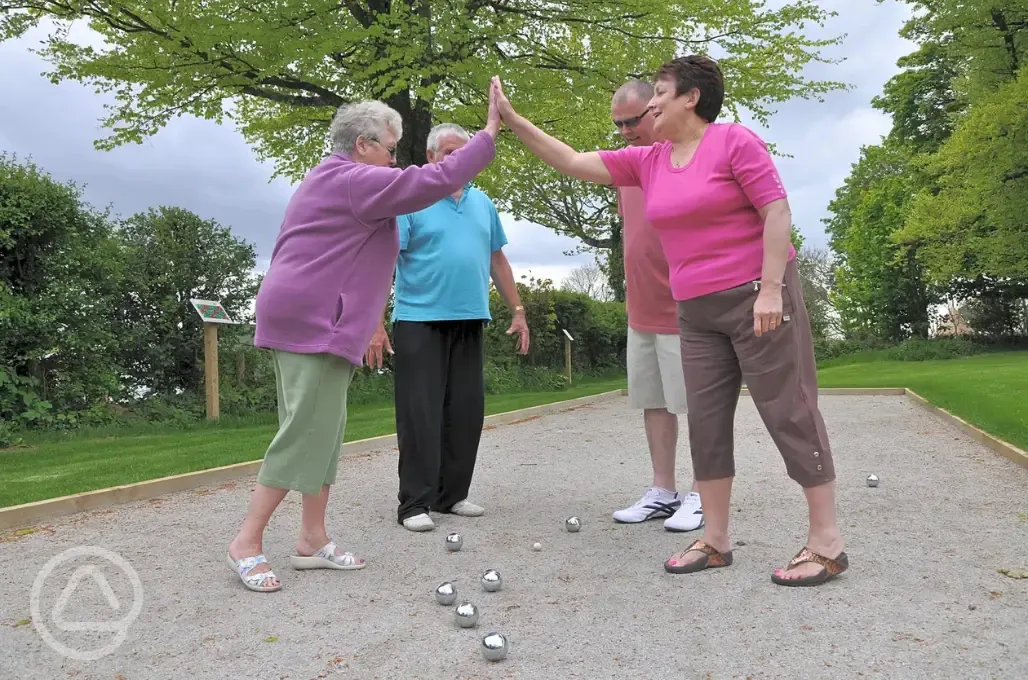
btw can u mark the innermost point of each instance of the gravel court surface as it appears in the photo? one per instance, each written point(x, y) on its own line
point(923, 597)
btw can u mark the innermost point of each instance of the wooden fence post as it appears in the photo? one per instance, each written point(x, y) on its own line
point(210, 369)
point(567, 354)
point(212, 313)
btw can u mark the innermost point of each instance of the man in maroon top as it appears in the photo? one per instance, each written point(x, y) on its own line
point(655, 381)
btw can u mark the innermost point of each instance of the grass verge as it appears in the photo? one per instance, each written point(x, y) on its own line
point(49, 469)
point(989, 390)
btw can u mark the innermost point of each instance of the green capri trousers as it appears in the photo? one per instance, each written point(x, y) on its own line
point(304, 454)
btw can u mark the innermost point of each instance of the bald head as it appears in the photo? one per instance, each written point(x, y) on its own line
point(634, 89)
point(629, 114)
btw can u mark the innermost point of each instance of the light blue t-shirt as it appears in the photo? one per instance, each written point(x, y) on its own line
point(443, 270)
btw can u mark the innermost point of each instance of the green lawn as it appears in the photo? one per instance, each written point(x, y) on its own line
point(50, 468)
point(988, 390)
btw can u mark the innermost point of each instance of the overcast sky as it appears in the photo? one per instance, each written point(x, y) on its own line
point(210, 170)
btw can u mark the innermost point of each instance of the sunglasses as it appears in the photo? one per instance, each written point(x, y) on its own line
point(630, 122)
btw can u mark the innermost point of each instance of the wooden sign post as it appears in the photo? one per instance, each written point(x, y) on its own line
point(567, 353)
point(212, 314)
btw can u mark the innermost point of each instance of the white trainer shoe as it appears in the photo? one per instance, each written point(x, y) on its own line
point(689, 515)
point(465, 508)
point(420, 522)
point(655, 504)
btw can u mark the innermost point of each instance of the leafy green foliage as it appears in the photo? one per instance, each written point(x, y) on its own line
point(599, 329)
point(94, 313)
point(797, 238)
point(878, 289)
point(984, 42)
point(20, 405)
point(971, 221)
point(936, 210)
point(921, 98)
point(174, 256)
point(59, 271)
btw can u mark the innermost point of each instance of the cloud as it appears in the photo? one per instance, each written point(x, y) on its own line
point(824, 139)
point(192, 163)
point(209, 169)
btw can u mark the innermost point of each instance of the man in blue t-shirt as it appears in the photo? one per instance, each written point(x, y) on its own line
point(448, 253)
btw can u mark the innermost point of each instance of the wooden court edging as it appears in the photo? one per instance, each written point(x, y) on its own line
point(853, 391)
point(30, 513)
point(1003, 448)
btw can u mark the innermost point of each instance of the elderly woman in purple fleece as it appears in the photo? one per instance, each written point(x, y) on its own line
point(319, 305)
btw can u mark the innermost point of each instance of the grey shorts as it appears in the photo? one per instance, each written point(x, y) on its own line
point(655, 377)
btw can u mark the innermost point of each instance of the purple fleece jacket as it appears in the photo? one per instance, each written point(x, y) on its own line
point(333, 262)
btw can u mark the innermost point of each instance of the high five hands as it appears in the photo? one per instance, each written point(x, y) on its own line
point(500, 101)
point(500, 109)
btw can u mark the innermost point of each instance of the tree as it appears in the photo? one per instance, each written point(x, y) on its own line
point(797, 238)
point(921, 99)
point(986, 40)
point(914, 220)
point(60, 272)
point(175, 255)
point(279, 70)
point(971, 221)
point(816, 268)
point(879, 286)
point(588, 280)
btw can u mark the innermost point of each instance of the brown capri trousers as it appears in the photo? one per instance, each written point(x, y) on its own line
point(720, 349)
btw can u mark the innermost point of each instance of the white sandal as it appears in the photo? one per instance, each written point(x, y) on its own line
point(326, 558)
point(254, 582)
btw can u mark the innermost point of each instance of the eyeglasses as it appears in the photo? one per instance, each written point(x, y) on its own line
point(630, 122)
point(390, 149)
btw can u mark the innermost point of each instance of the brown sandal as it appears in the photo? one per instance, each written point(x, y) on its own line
point(712, 558)
point(830, 568)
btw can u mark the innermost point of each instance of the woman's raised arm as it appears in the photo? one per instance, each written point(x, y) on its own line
point(588, 166)
point(380, 192)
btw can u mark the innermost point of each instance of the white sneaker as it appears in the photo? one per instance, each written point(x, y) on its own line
point(465, 508)
point(689, 516)
point(420, 522)
point(655, 504)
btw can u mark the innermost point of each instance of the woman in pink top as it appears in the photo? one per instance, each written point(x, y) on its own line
point(715, 197)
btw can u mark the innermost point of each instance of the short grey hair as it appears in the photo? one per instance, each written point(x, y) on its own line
point(635, 88)
point(362, 119)
point(444, 130)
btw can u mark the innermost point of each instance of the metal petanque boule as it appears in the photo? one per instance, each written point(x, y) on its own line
point(454, 542)
point(872, 480)
point(446, 593)
point(572, 524)
point(494, 646)
point(492, 581)
point(466, 615)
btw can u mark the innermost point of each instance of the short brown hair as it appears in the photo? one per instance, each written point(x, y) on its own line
point(701, 73)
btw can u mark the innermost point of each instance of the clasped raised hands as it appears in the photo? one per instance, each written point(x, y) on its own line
point(500, 109)
point(506, 111)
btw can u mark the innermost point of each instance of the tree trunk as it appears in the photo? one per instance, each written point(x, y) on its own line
point(417, 121)
point(614, 267)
